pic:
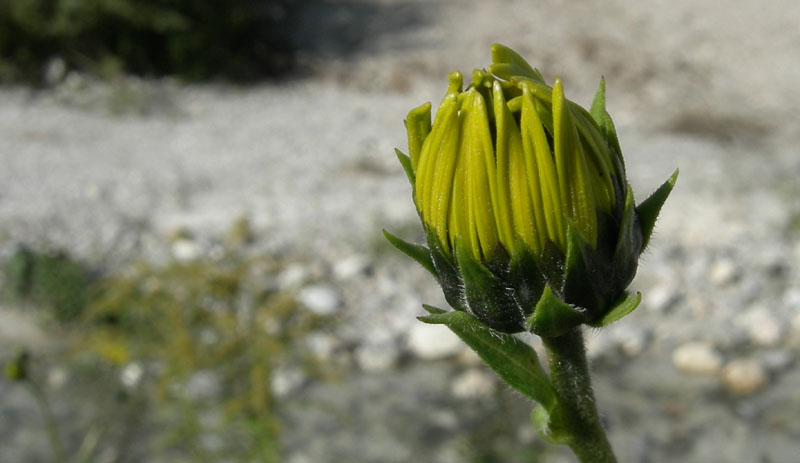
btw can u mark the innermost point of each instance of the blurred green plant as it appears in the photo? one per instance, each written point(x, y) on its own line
point(192, 39)
point(200, 340)
point(210, 316)
point(51, 279)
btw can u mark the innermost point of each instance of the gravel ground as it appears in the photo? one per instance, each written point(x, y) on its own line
point(704, 371)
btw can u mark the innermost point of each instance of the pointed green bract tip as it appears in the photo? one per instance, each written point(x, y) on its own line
point(649, 209)
point(598, 109)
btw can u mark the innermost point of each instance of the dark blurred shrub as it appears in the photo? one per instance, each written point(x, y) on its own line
point(192, 39)
point(51, 279)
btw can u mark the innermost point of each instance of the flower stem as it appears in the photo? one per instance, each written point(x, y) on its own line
point(569, 373)
point(49, 421)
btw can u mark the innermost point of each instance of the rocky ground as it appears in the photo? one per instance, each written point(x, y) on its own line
point(705, 371)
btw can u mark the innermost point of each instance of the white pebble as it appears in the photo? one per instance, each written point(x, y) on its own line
point(432, 342)
point(186, 250)
point(697, 357)
point(743, 377)
point(762, 327)
point(293, 276)
point(320, 299)
point(350, 267)
point(131, 375)
point(631, 339)
point(723, 272)
point(473, 383)
point(285, 381)
point(661, 298)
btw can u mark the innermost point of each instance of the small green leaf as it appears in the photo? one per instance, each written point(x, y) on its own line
point(515, 362)
point(405, 161)
point(554, 317)
point(623, 307)
point(649, 208)
point(414, 251)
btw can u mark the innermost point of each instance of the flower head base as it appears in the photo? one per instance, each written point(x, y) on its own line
point(530, 220)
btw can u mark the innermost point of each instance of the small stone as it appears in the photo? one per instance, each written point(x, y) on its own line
point(203, 384)
point(378, 352)
point(776, 360)
point(293, 276)
point(599, 347)
point(186, 250)
point(351, 267)
point(320, 299)
point(631, 339)
point(433, 342)
point(791, 298)
point(743, 377)
point(723, 271)
point(57, 377)
point(762, 327)
point(131, 375)
point(284, 381)
point(322, 345)
point(472, 384)
point(698, 358)
point(661, 298)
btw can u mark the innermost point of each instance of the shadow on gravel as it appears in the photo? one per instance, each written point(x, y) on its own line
point(329, 29)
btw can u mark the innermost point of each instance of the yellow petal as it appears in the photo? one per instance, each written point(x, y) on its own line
point(418, 126)
point(542, 177)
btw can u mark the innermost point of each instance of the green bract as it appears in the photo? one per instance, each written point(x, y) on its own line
point(530, 221)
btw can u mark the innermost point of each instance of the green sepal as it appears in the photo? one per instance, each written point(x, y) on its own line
point(551, 265)
point(548, 424)
point(554, 317)
point(649, 208)
point(489, 298)
point(419, 253)
point(433, 310)
point(447, 273)
point(598, 110)
point(514, 361)
point(623, 307)
point(577, 278)
point(629, 244)
point(603, 119)
point(525, 277)
point(405, 161)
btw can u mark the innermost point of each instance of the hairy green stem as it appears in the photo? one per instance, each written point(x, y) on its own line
point(49, 422)
point(569, 373)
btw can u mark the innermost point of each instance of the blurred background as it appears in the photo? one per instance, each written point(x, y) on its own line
point(191, 200)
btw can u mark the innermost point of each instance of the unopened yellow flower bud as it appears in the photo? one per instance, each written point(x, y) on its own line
point(519, 187)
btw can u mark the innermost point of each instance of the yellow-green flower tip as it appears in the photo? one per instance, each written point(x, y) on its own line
point(520, 188)
point(507, 163)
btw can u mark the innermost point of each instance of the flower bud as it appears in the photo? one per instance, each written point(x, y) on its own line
point(530, 221)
